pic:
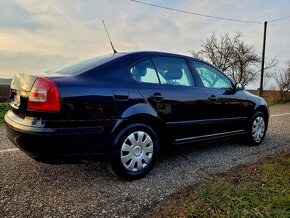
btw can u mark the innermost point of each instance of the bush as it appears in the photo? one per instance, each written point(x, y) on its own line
point(4, 107)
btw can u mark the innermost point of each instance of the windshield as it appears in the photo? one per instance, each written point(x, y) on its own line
point(83, 65)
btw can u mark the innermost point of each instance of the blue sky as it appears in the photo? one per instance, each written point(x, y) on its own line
point(40, 35)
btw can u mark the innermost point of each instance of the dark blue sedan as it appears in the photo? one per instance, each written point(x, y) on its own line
point(126, 106)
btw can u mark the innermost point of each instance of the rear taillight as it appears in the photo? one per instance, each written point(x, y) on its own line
point(44, 96)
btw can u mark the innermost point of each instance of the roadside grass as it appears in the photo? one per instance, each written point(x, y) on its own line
point(259, 190)
point(4, 107)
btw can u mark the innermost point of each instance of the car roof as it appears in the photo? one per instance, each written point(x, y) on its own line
point(154, 53)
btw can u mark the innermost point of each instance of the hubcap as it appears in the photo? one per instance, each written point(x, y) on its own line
point(137, 151)
point(258, 129)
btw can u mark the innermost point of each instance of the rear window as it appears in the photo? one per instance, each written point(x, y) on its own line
point(83, 65)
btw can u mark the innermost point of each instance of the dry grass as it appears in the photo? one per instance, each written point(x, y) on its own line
point(260, 190)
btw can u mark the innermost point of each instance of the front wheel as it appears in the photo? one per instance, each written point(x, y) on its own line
point(134, 151)
point(257, 128)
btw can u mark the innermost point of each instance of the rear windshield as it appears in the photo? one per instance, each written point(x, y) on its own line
point(83, 65)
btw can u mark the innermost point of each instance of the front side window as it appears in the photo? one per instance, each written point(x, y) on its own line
point(210, 77)
point(144, 72)
point(173, 71)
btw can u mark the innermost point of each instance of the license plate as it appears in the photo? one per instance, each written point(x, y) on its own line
point(16, 100)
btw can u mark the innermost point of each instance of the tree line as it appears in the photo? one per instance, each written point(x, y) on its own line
point(240, 61)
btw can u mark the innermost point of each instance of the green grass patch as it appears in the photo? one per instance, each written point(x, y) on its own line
point(260, 190)
point(4, 107)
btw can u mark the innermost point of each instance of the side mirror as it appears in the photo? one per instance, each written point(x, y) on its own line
point(239, 86)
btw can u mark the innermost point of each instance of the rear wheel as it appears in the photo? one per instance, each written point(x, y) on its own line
point(257, 128)
point(134, 151)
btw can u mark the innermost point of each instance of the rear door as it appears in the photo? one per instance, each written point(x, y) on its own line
point(227, 108)
point(168, 86)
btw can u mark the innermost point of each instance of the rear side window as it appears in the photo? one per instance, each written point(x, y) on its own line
point(144, 72)
point(173, 71)
point(83, 65)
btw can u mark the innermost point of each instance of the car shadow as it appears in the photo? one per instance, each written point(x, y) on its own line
point(94, 170)
point(169, 155)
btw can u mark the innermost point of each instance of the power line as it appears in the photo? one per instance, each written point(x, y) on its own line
point(196, 14)
point(282, 18)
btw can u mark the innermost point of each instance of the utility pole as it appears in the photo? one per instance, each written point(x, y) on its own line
point(263, 60)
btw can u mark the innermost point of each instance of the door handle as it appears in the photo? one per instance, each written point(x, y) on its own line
point(156, 96)
point(212, 98)
point(120, 94)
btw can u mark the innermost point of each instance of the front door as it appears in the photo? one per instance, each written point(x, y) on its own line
point(226, 108)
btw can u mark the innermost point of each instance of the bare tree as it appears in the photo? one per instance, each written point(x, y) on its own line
point(269, 70)
point(195, 54)
point(267, 78)
point(232, 56)
point(219, 53)
point(282, 78)
point(244, 63)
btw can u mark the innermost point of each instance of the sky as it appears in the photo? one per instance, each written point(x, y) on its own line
point(36, 36)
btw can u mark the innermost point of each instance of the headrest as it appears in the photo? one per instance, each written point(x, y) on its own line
point(173, 73)
point(140, 69)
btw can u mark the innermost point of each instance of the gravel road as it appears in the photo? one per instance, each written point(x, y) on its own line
point(32, 189)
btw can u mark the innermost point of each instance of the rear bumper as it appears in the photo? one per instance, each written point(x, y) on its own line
point(43, 143)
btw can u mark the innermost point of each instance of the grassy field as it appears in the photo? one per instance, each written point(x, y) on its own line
point(3, 109)
point(260, 190)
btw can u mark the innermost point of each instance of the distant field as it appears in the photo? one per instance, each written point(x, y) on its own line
point(4, 89)
point(272, 97)
point(269, 94)
point(4, 92)
point(5, 81)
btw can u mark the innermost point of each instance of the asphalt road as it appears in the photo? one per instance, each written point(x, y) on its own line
point(32, 189)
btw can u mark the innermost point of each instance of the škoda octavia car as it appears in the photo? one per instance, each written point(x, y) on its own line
point(125, 106)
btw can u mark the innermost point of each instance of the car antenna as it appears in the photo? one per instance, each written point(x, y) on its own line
point(109, 38)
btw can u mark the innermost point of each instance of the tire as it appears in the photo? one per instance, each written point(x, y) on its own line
point(134, 151)
point(257, 128)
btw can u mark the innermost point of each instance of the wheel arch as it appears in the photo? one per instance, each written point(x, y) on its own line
point(263, 109)
point(141, 113)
